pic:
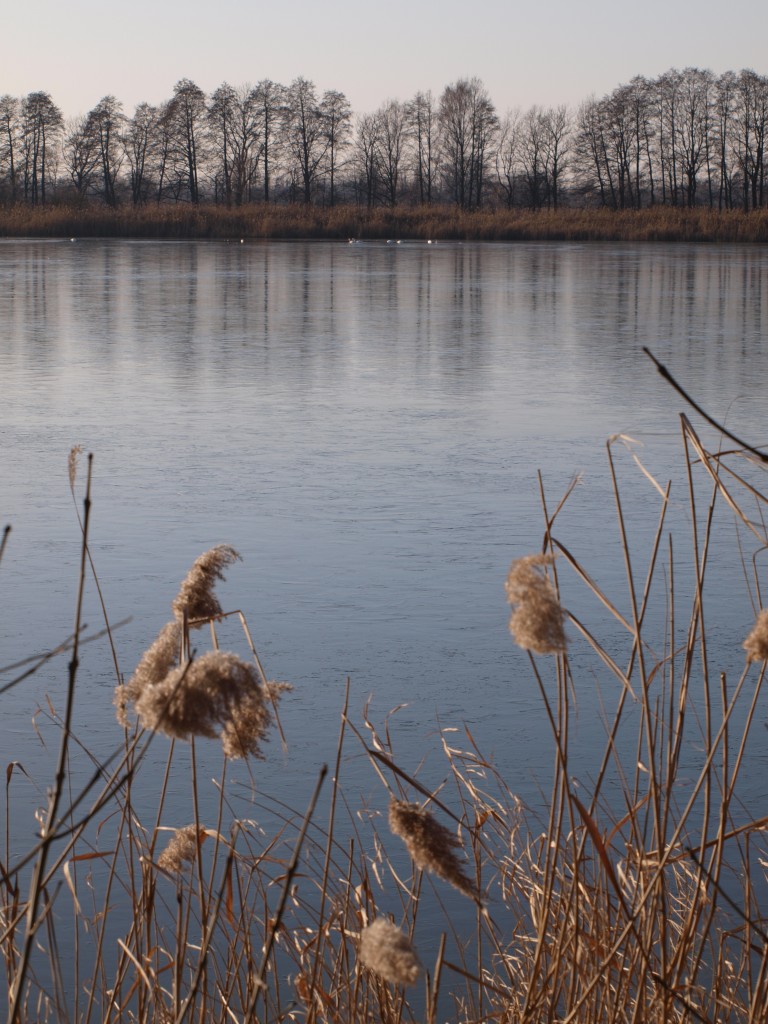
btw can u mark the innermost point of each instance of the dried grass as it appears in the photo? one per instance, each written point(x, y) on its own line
point(438, 222)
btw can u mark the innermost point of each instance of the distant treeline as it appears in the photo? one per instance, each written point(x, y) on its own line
point(685, 139)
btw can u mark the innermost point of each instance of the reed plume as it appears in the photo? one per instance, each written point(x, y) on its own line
point(196, 599)
point(74, 454)
point(388, 952)
point(431, 846)
point(156, 662)
point(756, 644)
point(536, 622)
point(246, 728)
point(217, 694)
point(160, 663)
point(182, 848)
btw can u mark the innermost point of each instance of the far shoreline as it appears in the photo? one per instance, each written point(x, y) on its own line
point(260, 221)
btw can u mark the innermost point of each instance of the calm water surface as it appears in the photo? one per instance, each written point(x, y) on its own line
point(364, 424)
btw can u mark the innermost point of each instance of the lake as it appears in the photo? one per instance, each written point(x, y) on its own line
point(364, 424)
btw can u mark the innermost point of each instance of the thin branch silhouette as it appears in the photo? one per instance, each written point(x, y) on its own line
point(695, 405)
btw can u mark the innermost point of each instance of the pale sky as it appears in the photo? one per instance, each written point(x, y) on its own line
point(561, 51)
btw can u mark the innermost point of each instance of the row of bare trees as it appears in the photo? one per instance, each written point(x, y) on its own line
point(685, 138)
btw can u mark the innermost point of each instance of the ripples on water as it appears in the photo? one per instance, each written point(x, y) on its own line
point(364, 424)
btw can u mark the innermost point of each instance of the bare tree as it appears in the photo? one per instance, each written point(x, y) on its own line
point(509, 167)
point(185, 115)
point(392, 137)
point(41, 127)
point(366, 156)
point(724, 134)
point(591, 165)
point(304, 135)
point(10, 142)
point(667, 95)
point(170, 176)
point(612, 147)
point(693, 124)
point(103, 124)
point(533, 148)
point(422, 117)
point(141, 142)
point(623, 144)
point(269, 98)
point(336, 114)
point(468, 126)
point(81, 156)
point(221, 116)
point(752, 124)
point(557, 136)
point(641, 103)
point(246, 144)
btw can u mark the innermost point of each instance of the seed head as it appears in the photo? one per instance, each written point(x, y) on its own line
point(388, 952)
point(216, 694)
point(756, 644)
point(536, 622)
point(74, 455)
point(156, 662)
point(182, 848)
point(196, 598)
point(431, 846)
point(246, 728)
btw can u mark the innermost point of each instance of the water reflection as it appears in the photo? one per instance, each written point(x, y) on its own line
point(445, 309)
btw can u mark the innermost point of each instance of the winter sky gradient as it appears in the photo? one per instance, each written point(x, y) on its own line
point(560, 51)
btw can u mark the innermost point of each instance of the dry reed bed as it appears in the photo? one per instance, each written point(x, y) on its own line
point(637, 901)
point(297, 221)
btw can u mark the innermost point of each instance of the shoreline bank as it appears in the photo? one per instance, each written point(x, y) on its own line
point(439, 223)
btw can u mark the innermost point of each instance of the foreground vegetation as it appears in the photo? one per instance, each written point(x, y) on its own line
point(423, 223)
point(636, 900)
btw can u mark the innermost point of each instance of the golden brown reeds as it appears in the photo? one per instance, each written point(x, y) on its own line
point(388, 952)
point(536, 622)
point(443, 222)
